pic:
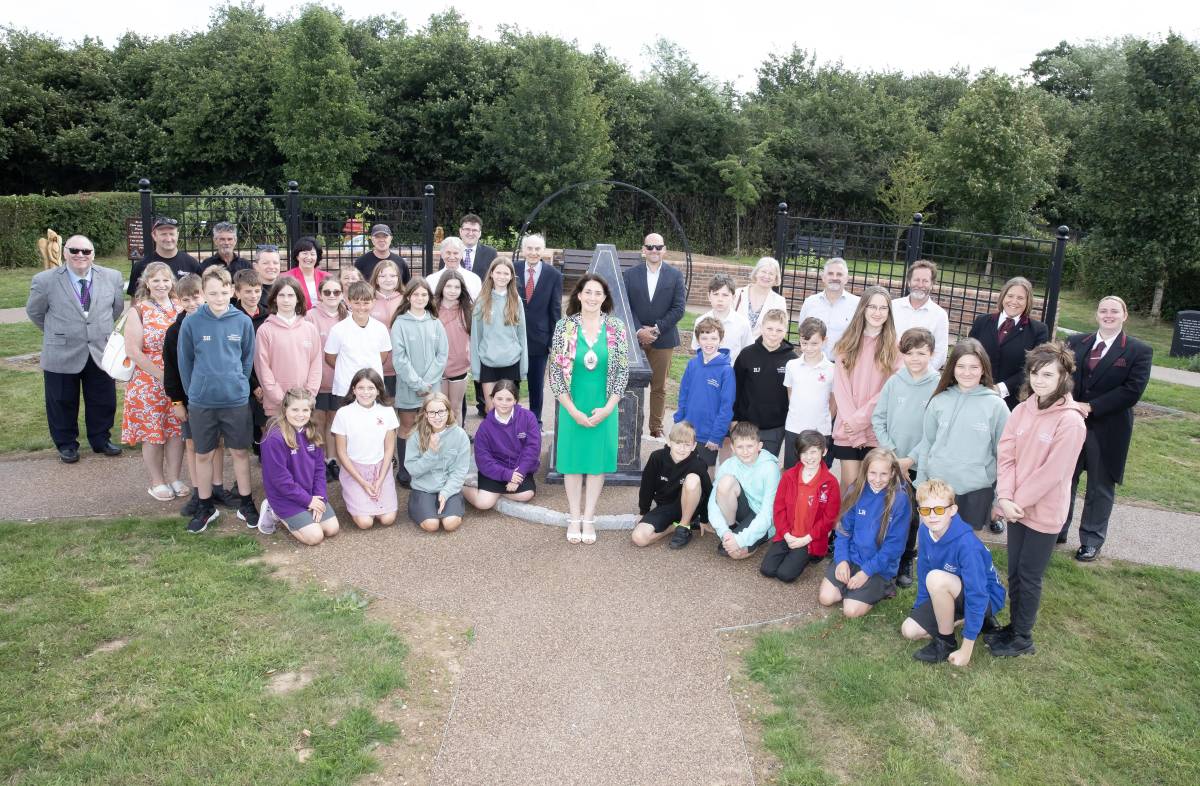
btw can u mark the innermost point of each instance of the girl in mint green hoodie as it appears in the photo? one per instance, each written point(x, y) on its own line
point(961, 434)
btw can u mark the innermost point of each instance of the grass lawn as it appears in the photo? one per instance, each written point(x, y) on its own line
point(1112, 695)
point(133, 653)
point(14, 281)
point(25, 413)
point(19, 338)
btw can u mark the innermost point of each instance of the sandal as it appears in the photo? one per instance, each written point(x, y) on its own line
point(589, 531)
point(573, 534)
point(180, 488)
point(162, 492)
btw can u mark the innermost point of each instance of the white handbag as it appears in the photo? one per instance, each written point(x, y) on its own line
point(116, 362)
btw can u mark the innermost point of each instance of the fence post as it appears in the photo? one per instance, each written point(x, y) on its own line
point(147, 197)
point(427, 230)
point(781, 220)
point(1050, 314)
point(912, 248)
point(292, 218)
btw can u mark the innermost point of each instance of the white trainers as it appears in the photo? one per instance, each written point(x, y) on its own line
point(267, 520)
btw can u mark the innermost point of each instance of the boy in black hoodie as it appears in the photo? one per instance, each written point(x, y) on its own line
point(675, 480)
point(758, 372)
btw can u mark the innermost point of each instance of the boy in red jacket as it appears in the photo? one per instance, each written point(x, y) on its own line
point(806, 510)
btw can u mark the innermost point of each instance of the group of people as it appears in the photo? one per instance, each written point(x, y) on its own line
point(358, 376)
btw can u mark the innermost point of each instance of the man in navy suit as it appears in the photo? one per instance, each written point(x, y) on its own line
point(541, 287)
point(656, 299)
point(1111, 373)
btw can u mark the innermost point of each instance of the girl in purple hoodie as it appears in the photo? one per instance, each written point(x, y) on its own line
point(508, 449)
point(293, 473)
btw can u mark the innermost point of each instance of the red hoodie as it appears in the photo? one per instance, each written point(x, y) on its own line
point(818, 502)
point(1036, 458)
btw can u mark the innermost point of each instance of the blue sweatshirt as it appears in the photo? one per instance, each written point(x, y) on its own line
point(960, 552)
point(856, 537)
point(216, 356)
point(759, 482)
point(706, 396)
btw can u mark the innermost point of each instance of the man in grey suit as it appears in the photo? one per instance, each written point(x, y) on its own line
point(75, 306)
point(656, 299)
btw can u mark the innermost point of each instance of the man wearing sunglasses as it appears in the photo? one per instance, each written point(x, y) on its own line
point(165, 232)
point(75, 306)
point(656, 300)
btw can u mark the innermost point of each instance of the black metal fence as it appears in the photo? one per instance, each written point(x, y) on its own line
point(972, 267)
point(341, 224)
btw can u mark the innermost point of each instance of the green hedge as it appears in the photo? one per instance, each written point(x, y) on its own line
point(100, 216)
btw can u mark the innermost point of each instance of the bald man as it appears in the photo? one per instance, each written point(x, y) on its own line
point(656, 299)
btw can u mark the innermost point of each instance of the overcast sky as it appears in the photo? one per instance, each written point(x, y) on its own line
point(728, 39)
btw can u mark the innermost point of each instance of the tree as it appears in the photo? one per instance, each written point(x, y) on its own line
point(994, 159)
point(319, 118)
point(907, 191)
point(1140, 169)
point(744, 176)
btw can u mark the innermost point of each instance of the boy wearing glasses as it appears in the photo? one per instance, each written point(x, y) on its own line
point(956, 581)
point(165, 232)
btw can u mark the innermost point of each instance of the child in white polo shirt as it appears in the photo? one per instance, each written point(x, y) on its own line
point(809, 382)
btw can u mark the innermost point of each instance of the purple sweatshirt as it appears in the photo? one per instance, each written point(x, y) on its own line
point(291, 478)
point(500, 448)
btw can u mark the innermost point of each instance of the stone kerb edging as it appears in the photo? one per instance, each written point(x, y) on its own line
point(536, 514)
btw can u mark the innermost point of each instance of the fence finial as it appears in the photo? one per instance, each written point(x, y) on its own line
point(782, 209)
point(293, 186)
point(144, 184)
point(918, 218)
point(1064, 231)
point(429, 189)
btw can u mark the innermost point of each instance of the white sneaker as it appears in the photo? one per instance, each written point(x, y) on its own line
point(267, 520)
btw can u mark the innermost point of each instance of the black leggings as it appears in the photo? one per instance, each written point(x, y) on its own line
point(784, 563)
point(1028, 555)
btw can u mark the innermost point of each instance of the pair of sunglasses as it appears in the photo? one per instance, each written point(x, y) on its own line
point(937, 510)
point(86, 252)
point(266, 247)
point(331, 292)
point(654, 248)
point(165, 222)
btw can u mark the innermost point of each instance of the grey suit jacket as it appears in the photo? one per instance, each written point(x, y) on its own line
point(67, 335)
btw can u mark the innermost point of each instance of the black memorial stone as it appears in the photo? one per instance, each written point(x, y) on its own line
point(1186, 340)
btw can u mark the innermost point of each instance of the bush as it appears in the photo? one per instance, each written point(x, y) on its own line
point(1104, 271)
point(100, 216)
point(257, 219)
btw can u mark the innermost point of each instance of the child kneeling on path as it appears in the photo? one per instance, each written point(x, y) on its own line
point(955, 580)
point(870, 538)
point(743, 499)
point(508, 448)
point(806, 510)
point(438, 461)
point(293, 472)
point(675, 480)
point(364, 435)
point(706, 391)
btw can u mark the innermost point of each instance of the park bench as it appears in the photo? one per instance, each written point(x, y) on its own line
point(820, 247)
point(574, 263)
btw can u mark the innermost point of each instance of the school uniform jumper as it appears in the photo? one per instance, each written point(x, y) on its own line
point(801, 509)
point(706, 395)
point(961, 553)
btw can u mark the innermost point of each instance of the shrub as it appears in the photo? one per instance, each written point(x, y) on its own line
point(100, 216)
point(258, 220)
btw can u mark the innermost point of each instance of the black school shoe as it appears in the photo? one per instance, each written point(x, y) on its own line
point(937, 650)
point(996, 527)
point(1087, 554)
point(223, 496)
point(248, 512)
point(1013, 646)
point(682, 537)
point(904, 577)
point(205, 513)
point(331, 471)
point(192, 505)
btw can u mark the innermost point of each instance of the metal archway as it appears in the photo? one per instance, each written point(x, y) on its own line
point(687, 249)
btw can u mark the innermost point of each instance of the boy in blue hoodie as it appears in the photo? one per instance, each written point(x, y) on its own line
point(899, 418)
point(741, 506)
point(707, 390)
point(956, 580)
point(216, 355)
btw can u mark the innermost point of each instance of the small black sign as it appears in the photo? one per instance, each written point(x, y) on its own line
point(1186, 341)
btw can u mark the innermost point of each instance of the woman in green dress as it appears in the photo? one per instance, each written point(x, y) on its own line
point(589, 370)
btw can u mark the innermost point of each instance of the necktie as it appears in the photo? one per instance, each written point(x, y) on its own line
point(467, 258)
point(1005, 327)
point(1094, 355)
point(85, 294)
point(529, 283)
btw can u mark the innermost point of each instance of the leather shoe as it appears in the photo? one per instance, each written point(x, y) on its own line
point(68, 455)
point(108, 449)
point(1087, 554)
point(657, 433)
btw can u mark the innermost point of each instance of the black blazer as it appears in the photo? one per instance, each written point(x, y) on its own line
point(667, 307)
point(1112, 389)
point(1008, 359)
point(483, 257)
point(544, 309)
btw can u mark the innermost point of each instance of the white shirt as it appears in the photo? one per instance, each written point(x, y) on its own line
point(741, 304)
point(532, 273)
point(1108, 343)
point(809, 388)
point(738, 335)
point(836, 316)
point(652, 279)
point(356, 348)
point(365, 430)
point(930, 316)
point(473, 282)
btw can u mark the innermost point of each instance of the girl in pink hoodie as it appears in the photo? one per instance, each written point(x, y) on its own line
point(287, 348)
point(1037, 455)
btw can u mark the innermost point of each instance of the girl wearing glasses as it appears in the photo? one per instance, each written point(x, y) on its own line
point(1038, 451)
point(865, 357)
point(438, 460)
point(419, 350)
point(329, 310)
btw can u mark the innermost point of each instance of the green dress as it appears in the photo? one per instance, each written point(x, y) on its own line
point(580, 450)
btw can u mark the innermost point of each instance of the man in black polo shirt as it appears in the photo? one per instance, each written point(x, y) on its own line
point(225, 238)
point(165, 233)
point(381, 249)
